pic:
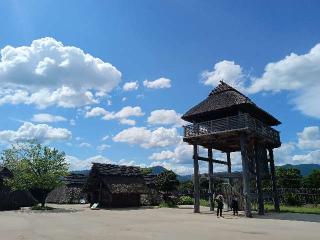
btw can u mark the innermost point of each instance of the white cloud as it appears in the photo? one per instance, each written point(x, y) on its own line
point(182, 153)
point(309, 138)
point(47, 118)
point(298, 74)
point(167, 117)
point(96, 112)
point(85, 164)
point(85, 145)
point(72, 122)
point(283, 154)
point(160, 137)
point(311, 157)
point(121, 115)
point(39, 132)
point(103, 147)
point(105, 138)
point(130, 86)
point(227, 71)
point(48, 73)
point(126, 112)
point(158, 84)
point(125, 121)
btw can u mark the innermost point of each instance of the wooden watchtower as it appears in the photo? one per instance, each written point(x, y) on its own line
point(229, 121)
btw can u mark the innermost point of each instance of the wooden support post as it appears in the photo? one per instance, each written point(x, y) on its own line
point(210, 174)
point(229, 167)
point(258, 157)
point(245, 175)
point(229, 162)
point(196, 182)
point(100, 193)
point(274, 183)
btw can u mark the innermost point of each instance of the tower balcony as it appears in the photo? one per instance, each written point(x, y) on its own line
point(212, 132)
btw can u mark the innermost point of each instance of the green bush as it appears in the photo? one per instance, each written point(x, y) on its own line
point(204, 203)
point(291, 199)
point(167, 205)
point(185, 200)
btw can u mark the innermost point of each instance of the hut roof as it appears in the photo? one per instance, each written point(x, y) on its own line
point(224, 100)
point(116, 170)
point(75, 179)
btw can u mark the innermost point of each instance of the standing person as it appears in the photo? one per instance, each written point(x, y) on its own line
point(235, 205)
point(219, 200)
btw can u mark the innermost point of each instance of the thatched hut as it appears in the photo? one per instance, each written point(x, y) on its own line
point(115, 186)
point(12, 200)
point(71, 191)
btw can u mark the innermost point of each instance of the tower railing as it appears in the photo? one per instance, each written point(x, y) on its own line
point(238, 122)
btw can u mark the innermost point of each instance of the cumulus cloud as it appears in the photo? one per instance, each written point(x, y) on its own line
point(160, 137)
point(103, 147)
point(47, 118)
point(130, 86)
point(84, 145)
point(284, 154)
point(310, 157)
point(182, 153)
point(39, 132)
point(106, 137)
point(295, 74)
point(167, 117)
point(121, 115)
point(85, 164)
point(309, 138)
point(158, 84)
point(298, 74)
point(48, 73)
point(228, 71)
point(96, 112)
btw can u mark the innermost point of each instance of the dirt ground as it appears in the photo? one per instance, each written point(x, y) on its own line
point(79, 222)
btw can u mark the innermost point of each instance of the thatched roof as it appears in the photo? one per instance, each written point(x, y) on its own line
point(127, 188)
point(116, 170)
point(223, 101)
point(75, 179)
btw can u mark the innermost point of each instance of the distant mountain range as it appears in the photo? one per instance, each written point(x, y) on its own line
point(305, 170)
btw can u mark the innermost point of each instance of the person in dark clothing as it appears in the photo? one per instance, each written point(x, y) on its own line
point(235, 205)
point(219, 200)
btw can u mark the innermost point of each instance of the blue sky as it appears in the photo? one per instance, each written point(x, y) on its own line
point(65, 64)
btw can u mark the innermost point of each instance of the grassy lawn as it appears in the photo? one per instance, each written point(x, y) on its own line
point(310, 209)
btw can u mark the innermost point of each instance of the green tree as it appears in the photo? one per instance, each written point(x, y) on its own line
point(186, 187)
point(288, 178)
point(35, 167)
point(313, 179)
point(166, 181)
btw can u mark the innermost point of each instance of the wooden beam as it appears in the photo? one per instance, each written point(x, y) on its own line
point(245, 175)
point(229, 162)
point(213, 160)
point(258, 156)
point(274, 183)
point(196, 182)
point(210, 173)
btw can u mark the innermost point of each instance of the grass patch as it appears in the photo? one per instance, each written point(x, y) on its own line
point(167, 205)
point(204, 203)
point(308, 209)
point(40, 208)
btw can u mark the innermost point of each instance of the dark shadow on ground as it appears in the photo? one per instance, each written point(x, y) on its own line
point(291, 217)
